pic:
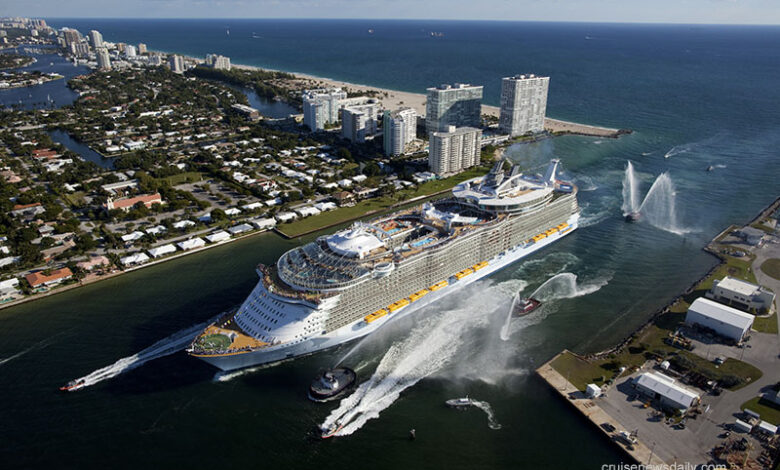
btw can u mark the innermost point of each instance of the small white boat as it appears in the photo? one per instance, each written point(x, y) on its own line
point(459, 402)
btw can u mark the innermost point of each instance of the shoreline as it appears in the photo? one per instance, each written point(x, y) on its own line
point(591, 410)
point(395, 99)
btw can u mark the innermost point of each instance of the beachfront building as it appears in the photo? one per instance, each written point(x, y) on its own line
point(218, 62)
point(79, 49)
point(321, 107)
point(722, 319)
point(40, 279)
point(130, 51)
point(142, 48)
point(400, 129)
point(71, 36)
point(665, 389)
point(126, 204)
point(163, 250)
point(359, 121)
point(134, 259)
point(741, 294)
point(456, 105)
point(191, 244)
point(103, 59)
point(523, 104)
point(96, 39)
point(452, 151)
point(177, 63)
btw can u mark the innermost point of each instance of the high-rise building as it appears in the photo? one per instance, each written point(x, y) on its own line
point(456, 105)
point(321, 107)
point(142, 48)
point(79, 49)
point(71, 36)
point(523, 104)
point(454, 150)
point(358, 121)
point(96, 38)
point(177, 63)
point(400, 128)
point(120, 47)
point(130, 51)
point(218, 62)
point(103, 59)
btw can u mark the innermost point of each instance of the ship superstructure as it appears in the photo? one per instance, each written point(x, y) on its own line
point(346, 285)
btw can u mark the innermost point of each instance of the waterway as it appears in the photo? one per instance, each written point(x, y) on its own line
point(708, 93)
point(86, 153)
point(53, 94)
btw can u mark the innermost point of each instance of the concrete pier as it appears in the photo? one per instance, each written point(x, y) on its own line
point(589, 408)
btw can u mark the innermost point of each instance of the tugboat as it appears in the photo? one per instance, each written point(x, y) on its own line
point(73, 385)
point(332, 384)
point(632, 216)
point(459, 403)
point(524, 305)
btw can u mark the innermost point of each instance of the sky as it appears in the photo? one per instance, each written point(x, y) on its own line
point(633, 11)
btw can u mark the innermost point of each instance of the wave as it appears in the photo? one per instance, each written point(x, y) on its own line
point(164, 347)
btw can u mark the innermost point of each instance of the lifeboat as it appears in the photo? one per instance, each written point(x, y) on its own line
point(460, 275)
point(418, 295)
point(375, 316)
point(398, 305)
point(438, 286)
point(479, 266)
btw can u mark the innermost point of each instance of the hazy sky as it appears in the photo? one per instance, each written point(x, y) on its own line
point(666, 11)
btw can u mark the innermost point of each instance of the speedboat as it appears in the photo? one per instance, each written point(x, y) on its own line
point(459, 402)
point(524, 305)
point(331, 431)
point(73, 385)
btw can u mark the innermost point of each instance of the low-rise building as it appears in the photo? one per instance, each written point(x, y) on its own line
point(162, 250)
point(741, 294)
point(182, 224)
point(192, 243)
point(664, 388)
point(133, 236)
point(93, 262)
point(263, 223)
point(236, 229)
point(27, 210)
point(134, 259)
point(286, 216)
point(126, 204)
point(724, 320)
point(219, 236)
point(39, 279)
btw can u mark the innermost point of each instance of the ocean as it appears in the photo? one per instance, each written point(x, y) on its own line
point(695, 97)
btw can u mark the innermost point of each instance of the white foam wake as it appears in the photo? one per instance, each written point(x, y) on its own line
point(485, 406)
point(166, 346)
point(429, 347)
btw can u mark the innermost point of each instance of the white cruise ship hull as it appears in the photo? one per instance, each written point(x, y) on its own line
point(360, 328)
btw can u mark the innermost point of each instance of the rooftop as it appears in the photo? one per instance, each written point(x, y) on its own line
point(722, 313)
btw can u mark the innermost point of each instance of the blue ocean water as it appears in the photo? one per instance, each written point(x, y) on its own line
point(700, 95)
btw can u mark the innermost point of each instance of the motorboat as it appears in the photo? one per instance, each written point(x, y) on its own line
point(459, 403)
point(332, 384)
point(524, 305)
point(73, 385)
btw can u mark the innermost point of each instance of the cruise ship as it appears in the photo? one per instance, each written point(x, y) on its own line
point(346, 285)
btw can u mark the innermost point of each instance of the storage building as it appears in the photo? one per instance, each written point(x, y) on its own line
point(665, 389)
point(724, 320)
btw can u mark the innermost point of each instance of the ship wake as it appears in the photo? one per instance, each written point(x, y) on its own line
point(427, 349)
point(485, 406)
point(165, 347)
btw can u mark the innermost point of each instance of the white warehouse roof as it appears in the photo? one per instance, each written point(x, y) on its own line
point(666, 387)
point(722, 313)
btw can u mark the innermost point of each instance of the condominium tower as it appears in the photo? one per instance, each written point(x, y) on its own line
point(523, 104)
point(96, 39)
point(218, 62)
point(400, 128)
point(177, 63)
point(454, 150)
point(358, 121)
point(456, 105)
point(103, 59)
point(321, 107)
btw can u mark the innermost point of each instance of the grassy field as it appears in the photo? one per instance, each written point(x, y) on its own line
point(771, 267)
point(769, 411)
point(766, 324)
point(380, 204)
point(577, 371)
point(190, 176)
point(75, 199)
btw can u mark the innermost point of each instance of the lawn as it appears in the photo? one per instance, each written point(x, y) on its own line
point(75, 199)
point(577, 371)
point(188, 177)
point(769, 411)
point(766, 324)
point(771, 267)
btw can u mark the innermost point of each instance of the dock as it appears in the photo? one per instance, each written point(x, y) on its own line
point(591, 410)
